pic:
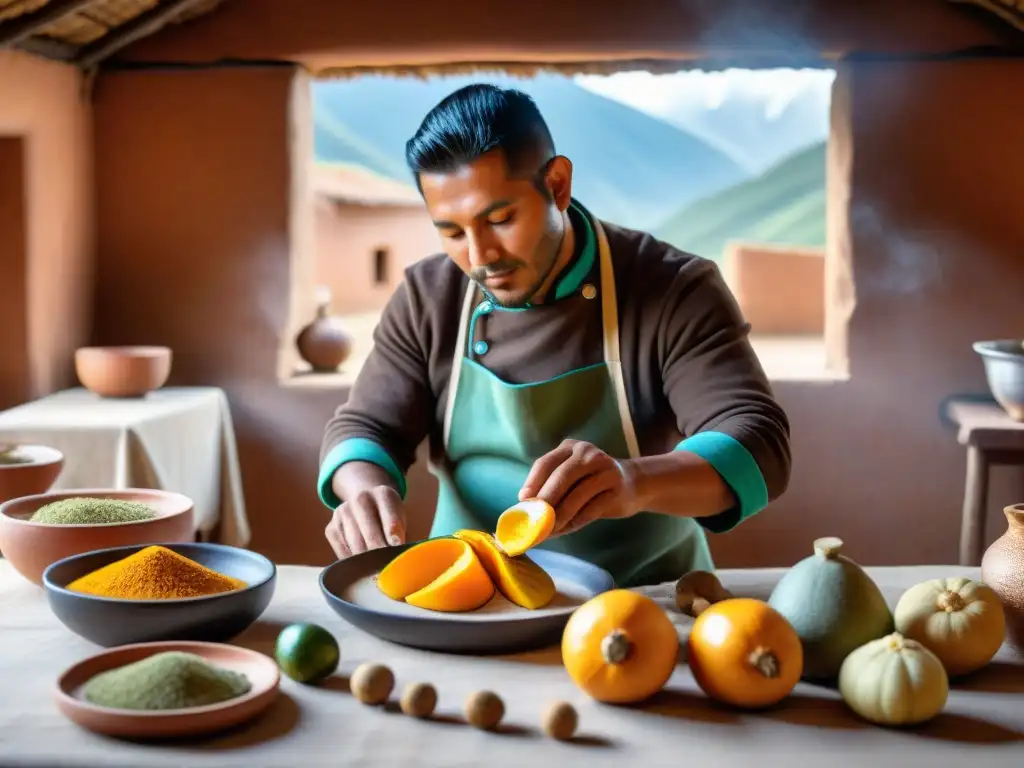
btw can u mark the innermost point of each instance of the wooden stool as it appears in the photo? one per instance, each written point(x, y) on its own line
point(992, 438)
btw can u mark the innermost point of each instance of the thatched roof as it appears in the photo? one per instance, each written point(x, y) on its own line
point(85, 32)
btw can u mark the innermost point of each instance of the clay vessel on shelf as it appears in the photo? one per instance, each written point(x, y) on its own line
point(324, 343)
point(1002, 568)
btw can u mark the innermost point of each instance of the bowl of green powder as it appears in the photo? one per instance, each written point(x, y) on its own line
point(26, 470)
point(167, 689)
point(36, 531)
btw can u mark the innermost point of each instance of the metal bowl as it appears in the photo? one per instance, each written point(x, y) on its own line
point(1004, 369)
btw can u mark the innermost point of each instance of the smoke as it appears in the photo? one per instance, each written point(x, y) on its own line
point(903, 261)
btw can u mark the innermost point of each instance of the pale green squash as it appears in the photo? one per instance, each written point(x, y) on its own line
point(894, 681)
point(834, 606)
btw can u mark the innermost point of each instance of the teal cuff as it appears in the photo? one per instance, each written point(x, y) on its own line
point(740, 472)
point(355, 449)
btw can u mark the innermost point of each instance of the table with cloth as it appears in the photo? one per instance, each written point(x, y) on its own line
point(982, 725)
point(178, 439)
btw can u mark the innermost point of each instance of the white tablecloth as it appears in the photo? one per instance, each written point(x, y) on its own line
point(175, 439)
point(982, 725)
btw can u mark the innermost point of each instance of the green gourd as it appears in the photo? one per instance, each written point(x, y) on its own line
point(834, 606)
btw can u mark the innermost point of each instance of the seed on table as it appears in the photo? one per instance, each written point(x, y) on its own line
point(372, 683)
point(560, 720)
point(419, 700)
point(484, 709)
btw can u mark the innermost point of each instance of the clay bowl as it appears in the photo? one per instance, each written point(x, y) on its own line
point(32, 547)
point(34, 476)
point(169, 723)
point(111, 621)
point(122, 371)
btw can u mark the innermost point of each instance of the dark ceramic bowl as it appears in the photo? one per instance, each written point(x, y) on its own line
point(349, 588)
point(214, 619)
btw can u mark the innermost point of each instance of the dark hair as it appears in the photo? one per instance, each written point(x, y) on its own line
point(477, 119)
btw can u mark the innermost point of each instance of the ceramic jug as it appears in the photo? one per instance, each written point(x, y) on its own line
point(1002, 568)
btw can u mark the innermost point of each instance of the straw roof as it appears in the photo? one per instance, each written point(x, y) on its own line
point(346, 183)
point(85, 32)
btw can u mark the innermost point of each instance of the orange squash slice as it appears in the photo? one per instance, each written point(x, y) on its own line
point(519, 579)
point(524, 525)
point(441, 574)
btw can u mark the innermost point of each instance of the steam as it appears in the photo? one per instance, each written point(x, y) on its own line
point(905, 261)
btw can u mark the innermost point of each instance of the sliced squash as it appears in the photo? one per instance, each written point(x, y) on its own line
point(442, 574)
point(524, 525)
point(519, 579)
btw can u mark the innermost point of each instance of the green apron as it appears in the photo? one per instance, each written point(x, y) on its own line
point(494, 431)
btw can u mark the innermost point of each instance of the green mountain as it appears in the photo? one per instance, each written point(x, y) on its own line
point(784, 205)
point(628, 167)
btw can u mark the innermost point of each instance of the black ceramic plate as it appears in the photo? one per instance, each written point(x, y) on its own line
point(216, 618)
point(499, 627)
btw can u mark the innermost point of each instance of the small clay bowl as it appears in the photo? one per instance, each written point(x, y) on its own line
point(123, 371)
point(31, 477)
point(169, 723)
point(33, 547)
point(110, 621)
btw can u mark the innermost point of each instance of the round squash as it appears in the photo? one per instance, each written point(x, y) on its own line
point(894, 681)
point(833, 605)
point(745, 653)
point(959, 620)
point(620, 647)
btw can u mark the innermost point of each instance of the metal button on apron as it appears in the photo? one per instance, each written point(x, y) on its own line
point(589, 291)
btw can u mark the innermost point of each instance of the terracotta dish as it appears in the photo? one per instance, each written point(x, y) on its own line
point(32, 477)
point(32, 547)
point(122, 371)
point(125, 723)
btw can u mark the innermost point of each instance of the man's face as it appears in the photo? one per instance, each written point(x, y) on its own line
point(501, 231)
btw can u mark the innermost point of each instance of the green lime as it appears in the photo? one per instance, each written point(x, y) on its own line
point(307, 652)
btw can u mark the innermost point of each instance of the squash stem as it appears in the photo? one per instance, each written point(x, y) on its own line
point(616, 647)
point(951, 602)
point(765, 662)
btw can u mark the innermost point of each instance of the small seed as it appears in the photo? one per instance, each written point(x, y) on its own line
point(560, 720)
point(372, 683)
point(484, 710)
point(419, 700)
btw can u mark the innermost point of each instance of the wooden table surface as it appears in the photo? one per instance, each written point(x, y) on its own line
point(983, 724)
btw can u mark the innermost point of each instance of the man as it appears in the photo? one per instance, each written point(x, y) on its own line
point(548, 354)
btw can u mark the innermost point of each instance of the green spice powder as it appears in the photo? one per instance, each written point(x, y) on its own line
point(9, 456)
point(85, 511)
point(170, 680)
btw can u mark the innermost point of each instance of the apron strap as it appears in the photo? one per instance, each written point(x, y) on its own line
point(610, 324)
point(460, 345)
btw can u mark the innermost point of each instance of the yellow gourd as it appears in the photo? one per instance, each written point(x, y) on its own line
point(959, 620)
point(894, 681)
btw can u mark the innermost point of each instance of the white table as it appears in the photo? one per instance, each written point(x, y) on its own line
point(982, 726)
point(179, 439)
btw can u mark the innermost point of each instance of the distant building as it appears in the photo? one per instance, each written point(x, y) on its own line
point(368, 230)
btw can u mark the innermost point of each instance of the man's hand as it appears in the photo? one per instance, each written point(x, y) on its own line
point(371, 517)
point(583, 484)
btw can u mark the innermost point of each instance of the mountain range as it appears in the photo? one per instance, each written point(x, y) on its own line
point(628, 166)
point(783, 205)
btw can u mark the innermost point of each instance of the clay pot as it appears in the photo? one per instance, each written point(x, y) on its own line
point(324, 343)
point(122, 371)
point(1002, 568)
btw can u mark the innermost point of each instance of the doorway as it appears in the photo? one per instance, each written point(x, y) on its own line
point(14, 363)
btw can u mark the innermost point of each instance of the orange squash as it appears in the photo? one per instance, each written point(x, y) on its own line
point(620, 647)
point(442, 574)
point(519, 579)
point(745, 653)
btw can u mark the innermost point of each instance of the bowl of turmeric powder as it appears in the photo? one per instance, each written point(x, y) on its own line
point(36, 531)
point(160, 592)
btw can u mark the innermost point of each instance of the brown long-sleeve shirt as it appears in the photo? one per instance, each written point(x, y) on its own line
point(692, 379)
